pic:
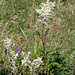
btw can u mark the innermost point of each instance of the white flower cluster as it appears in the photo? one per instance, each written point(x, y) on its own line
point(46, 8)
point(32, 65)
point(14, 58)
point(7, 43)
point(45, 13)
point(26, 60)
point(14, 68)
point(36, 62)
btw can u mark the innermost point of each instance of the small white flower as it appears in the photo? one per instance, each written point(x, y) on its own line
point(22, 62)
point(30, 68)
point(15, 56)
point(45, 23)
point(39, 20)
point(26, 60)
point(23, 53)
point(12, 53)
point(29, 61)
point(36, 62)
point(29, 53)
point(14, 68)
point(7, 43)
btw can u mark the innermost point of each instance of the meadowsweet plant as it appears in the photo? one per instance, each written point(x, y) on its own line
point(45, 13)
point(36, 42)
point(43, 22)
point(44, 19)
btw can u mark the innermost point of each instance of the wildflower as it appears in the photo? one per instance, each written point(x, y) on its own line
point(16, 49)
point(29, 53)
point(21, 48)
point(19, 63)
point(13, 54)
point(32, 65)
point(11, 72)
point(30, 68)
point(22, 53)
point(36, 63)
point(13, 63)
point(73, 65)
point(46, 8)
point(7, 43)
point(14, 68)
point(45, 13)
point(26, 60)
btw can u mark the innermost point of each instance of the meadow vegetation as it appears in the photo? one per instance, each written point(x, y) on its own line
point(37, 37)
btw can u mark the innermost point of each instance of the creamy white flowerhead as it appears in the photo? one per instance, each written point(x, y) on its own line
point(7, 43)
point(15, 56)
point(32, 65)
point(36, 62)
point(46, 8)
point(26, 60)
point(22, 53)
point(14, 68)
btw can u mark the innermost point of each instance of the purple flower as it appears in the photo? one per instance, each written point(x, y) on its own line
point(72, 65)
point(21, 48)
point(19, 63)
point(16, 49)
point(11, 72)
point(0, 64)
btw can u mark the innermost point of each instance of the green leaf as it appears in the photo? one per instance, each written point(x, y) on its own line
point(24, 34)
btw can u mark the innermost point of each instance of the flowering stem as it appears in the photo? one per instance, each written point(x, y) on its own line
point(43, 42)
point(50, 41)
